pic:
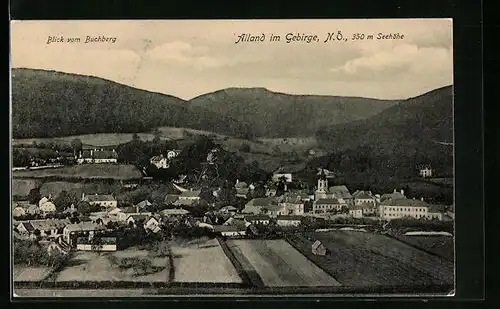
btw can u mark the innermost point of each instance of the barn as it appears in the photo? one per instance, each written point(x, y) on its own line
point(318, 248)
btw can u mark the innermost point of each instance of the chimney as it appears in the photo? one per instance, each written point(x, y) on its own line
point(137, 209)
point(394, 191)
point(403, 192)
point(91, 152)
point(422, 199)
point(83, 195)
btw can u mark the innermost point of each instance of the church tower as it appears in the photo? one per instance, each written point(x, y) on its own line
point(322, 188)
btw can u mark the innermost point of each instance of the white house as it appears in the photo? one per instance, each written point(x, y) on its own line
point(425, 171)
point(325, 205)
point(82, 228)
point(258, 219)
point(356, 211)
point(188, 198)
point(152, 224)
point(173, 153)
point(105, 244)
point(107, 201)
point(287, 220)
point(160, 162)
point(364, 197)
point(47, 207)
point(230, 230)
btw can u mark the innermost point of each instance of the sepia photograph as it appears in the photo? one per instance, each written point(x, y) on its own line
point(232, 158)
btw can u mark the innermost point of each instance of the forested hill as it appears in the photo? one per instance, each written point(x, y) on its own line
point(273, 114)
point(50, 104)
point(419, 124)
point(392, 144)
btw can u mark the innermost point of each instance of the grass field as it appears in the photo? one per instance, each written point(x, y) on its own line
point(202, 261)
point(22, 187)
point(279, 264)
point(85, 171)
point(91, 266)
point(442, 246)
point(24, 273)
point(368, 259)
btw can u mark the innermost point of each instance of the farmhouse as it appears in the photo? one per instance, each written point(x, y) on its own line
point(143, 204)
point(160, 162)
point(342, 193)
point(136, 219)
point(262, 205)
point(425, 171)
point(291, 204)
point(258, 219)
point(188, 198)
point(107, 244)
point(33, 210)
point(325, 205)
point(82, 228)
point(280, 173)
point(128, 211)
point(18, 211)
point(173, 153)
point(174, 212)
point(395, 195)
point(363, 197)
point(47, 228)
point(318, 248)
point(288, 220)
point(170, 199)
point(47, 207)
point(356, 211)
point(97, 156)
point(152, 224)
point(229, 230)
point(107, 201)
point(228, 210)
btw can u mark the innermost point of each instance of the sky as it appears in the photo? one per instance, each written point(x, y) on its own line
point(187, 58)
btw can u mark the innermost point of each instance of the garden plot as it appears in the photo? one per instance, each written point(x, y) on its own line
point(203, 261)
point(127, 265)
point(25, 273)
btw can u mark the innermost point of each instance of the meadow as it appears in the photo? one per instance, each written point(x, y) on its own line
point(368, 259)
point(278, 264)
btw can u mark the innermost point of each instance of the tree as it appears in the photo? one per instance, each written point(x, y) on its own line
point(85, 208)
point(77, 145)
point(65, 199)
point(34, 196)
point(135, 137)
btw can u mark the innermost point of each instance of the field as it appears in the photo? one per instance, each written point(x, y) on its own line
point(23, 273)
point(22, 187)
point(279, 264)
point(85, 171)
point(203, 261)
point(91, 266)
point(98, 140)
point(369, 259)
point(442, 246)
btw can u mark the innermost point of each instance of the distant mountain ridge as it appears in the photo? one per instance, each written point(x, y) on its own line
point(275, 114)
point(50, 104)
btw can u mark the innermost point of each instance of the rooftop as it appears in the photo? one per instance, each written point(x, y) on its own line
point(257, 217)
point(191, 193)
point(84, 226)
point(327, 201)
point(289, 218)
point(404, 202)
point(99, 198)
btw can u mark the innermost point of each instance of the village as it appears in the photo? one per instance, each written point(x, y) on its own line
point(275, 207)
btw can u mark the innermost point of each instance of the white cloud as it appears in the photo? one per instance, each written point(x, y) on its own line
point(404, 59)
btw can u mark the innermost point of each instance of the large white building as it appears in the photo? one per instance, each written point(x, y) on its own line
point(409, 208)
point(107, 201)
